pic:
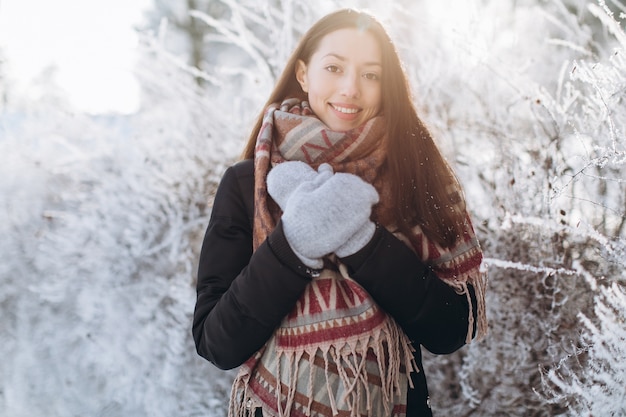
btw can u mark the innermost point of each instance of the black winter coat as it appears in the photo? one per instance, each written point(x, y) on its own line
point(243, 296)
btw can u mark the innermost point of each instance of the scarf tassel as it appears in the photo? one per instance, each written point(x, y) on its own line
point(394, 362)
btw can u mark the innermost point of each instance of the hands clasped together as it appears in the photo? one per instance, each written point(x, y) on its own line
point(323, 212)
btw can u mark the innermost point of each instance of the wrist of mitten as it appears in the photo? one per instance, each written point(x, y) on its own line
point(299, 235)
point(281, 247)
point(358, 241)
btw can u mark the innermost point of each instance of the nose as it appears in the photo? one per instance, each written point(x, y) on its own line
point(351, 85)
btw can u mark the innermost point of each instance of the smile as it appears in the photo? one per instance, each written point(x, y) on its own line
point(345, 109)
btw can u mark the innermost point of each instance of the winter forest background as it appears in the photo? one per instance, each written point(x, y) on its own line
point(102, 216)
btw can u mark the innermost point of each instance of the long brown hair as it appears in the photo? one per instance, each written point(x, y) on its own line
point(424, 189)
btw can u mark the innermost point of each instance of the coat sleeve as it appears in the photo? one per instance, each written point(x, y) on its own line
point(430, 312)
point(241, 296)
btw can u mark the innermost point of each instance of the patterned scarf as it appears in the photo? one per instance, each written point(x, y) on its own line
point(337, 352)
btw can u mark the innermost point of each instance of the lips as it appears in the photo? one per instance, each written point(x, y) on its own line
point(345, 110)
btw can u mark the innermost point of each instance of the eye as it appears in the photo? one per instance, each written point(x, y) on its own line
point(371, 76)
point(332, 68)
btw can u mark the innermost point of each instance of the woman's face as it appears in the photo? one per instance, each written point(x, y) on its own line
point(343, 79)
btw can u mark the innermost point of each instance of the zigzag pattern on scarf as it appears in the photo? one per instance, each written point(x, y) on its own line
point(361, 358)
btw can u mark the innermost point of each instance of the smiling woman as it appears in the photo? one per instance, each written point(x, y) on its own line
point(90, 44)
point(342, 79)
point(325, 267)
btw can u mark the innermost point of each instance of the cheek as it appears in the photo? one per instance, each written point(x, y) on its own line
point(319, 85)
point(377, 99)
point(319, 92)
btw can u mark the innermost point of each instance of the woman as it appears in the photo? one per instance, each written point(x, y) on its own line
point(340, 244)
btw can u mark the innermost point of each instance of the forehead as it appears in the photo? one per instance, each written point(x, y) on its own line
point(352, 44)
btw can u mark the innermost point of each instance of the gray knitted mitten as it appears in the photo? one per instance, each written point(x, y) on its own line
point(325, 212)
point(284, 178)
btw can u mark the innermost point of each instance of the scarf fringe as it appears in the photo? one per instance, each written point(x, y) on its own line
point(244, 402)
point(476, 328)
point(394, 360)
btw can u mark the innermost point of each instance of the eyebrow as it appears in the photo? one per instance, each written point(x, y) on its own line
point(343, 58)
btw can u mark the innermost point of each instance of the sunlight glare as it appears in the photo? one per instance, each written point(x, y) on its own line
point(89, 44)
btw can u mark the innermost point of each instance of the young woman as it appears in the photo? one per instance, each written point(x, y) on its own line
point(340, 244)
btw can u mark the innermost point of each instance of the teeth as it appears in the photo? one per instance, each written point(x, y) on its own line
point(345, 110)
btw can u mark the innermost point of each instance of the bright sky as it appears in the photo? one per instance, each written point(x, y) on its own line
point(90, 42)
